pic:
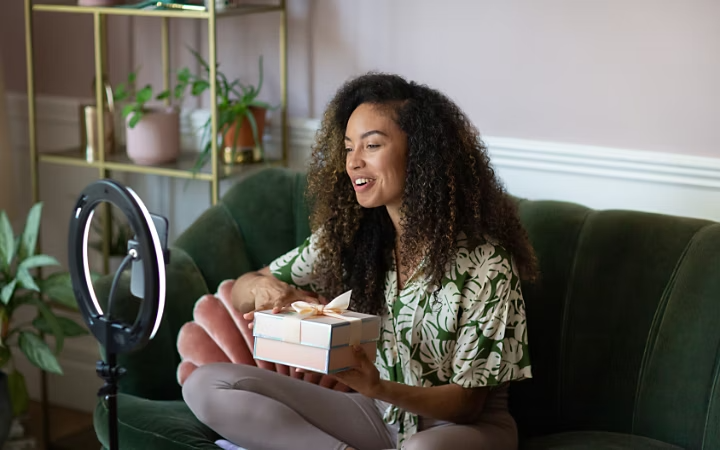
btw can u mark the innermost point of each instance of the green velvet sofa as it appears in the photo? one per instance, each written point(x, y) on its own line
point(624, 327)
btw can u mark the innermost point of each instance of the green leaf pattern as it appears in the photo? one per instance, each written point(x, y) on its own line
point(470, 331)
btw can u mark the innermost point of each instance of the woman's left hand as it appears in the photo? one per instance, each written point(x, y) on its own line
point(363, 377)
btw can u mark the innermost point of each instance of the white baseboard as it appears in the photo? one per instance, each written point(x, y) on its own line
point(602, 178)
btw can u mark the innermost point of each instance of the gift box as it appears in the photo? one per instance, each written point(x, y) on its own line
point(318, 338)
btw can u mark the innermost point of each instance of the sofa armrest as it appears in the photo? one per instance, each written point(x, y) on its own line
point(150, 370)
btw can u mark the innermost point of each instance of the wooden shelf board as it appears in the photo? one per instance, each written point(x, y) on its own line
point(182, 168)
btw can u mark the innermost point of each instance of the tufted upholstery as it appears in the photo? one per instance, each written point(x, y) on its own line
point(624, 327)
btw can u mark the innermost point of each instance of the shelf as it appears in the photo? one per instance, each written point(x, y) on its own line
point(182, 168)
point(171, 13)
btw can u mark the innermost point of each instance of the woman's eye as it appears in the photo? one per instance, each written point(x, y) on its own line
point(348, 149)
point(373, 146)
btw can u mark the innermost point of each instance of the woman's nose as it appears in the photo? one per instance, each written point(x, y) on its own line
point(354, 160)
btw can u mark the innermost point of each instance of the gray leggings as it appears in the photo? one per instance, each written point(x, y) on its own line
point(260, 409)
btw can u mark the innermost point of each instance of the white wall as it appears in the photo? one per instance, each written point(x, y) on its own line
point(638, 74)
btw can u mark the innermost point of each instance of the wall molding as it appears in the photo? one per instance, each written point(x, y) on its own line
point(598, 177)
point(634, 165)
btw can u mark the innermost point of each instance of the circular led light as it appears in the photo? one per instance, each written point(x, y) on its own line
point(115, 336)
point(147, 254)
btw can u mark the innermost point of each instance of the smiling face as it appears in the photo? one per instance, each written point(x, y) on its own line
point(376, 157)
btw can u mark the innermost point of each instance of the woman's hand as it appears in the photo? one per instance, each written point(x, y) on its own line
point(260, 291)
point(363, 377)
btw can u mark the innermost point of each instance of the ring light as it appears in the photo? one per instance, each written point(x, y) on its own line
point(147, 253)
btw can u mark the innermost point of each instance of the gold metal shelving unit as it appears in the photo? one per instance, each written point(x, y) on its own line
point(118, 161)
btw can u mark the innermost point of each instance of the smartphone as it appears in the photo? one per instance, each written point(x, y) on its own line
point(137, 278)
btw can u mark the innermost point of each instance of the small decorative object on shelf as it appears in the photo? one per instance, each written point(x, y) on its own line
point(88, 126)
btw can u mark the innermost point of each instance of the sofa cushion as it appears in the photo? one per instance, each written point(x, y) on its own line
point(154, 424)
point(595, 440)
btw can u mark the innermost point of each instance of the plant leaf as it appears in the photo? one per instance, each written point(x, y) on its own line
point(127, 109)
point(198, 87)
point(38, 352)
point(163, 95)
point(144, 94)
point(51, 322)
point(184, 75)
point(7, 291)
point(28, 243)
point(26, 280)
point(18, 392)
point(135, 119)
point(179, 89)
point(200, 60)
point(58, 287)
point(39, 261)
point(69, 327)
point(7, 241)
point(121, 92)
point(5, 355)
point(253, 126)
point(260, 81)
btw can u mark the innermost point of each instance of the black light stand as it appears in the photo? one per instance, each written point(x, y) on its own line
point(148, 255)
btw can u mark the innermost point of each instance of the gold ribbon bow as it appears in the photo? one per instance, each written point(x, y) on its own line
point(335, 308)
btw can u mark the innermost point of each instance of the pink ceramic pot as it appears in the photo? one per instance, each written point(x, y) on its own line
point(155, 139)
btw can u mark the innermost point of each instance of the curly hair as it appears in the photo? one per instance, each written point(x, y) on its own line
point(450, 187)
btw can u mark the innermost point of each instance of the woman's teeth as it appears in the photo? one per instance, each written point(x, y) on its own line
point(361, 181)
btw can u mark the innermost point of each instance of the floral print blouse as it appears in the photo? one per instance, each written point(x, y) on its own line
point(471, 331)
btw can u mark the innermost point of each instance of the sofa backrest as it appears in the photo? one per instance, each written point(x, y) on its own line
point(624, 325)
point(258, 219)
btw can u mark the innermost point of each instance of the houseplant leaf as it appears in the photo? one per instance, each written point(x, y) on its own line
point(39, 261)
point(28, 243)
point(7, 291)
point(69, 327)
point(51, 322)
point(58, 287)
point(38, 352)
point(144, 95)
point(26, 280)
point(18, 392)
point(198, 87)
point(7, 241)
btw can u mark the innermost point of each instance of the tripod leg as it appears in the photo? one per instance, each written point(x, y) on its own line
point(110, 373)
point(112, 402)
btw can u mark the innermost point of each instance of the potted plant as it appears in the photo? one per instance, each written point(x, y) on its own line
point(152, 131)
point(19, 287)
point(240, 116)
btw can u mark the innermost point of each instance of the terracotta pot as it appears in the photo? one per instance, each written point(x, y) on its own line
point(239, 145)
point(155, 139)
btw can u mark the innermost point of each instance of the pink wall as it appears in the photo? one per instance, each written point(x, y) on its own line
point(640, 75)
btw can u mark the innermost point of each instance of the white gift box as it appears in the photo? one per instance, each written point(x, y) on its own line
point(315, 337)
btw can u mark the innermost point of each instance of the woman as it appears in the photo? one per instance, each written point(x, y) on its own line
point(406, 212)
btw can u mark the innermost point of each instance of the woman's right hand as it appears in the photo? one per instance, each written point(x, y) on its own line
point(262, 291)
